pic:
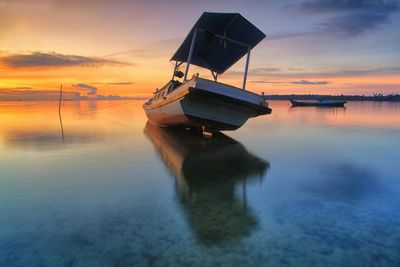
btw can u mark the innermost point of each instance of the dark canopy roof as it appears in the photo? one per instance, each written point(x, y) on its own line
point(221, 40)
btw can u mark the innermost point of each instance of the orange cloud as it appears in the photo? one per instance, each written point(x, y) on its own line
point(40, 60)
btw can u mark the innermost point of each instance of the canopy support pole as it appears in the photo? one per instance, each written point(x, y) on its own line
point(173, 73)
point(215, 75)
point(190, 54)
point(246, 68)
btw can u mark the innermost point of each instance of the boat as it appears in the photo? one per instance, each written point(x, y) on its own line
point(215, 42)
point(320, 103)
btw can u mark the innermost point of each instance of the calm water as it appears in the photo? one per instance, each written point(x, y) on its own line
point(301, 187)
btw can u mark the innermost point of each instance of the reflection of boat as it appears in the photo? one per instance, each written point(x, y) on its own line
point(211, 176)
point(320, 103)
point(216, 42)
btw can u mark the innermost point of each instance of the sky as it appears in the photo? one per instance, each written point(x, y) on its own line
point(122, 48)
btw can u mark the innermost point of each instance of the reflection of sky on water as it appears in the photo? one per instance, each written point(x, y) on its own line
point(302, 187)
point(345, 182)
point(43, 140)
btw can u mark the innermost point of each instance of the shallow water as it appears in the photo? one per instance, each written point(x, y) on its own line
point(301, 187)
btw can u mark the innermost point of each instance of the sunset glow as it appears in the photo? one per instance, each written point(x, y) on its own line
point(123, 47)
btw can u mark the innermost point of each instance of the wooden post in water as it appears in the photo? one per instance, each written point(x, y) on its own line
point(59, 114)
point(59, 101)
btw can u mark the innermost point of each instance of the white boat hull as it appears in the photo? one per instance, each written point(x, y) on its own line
point(200, 103)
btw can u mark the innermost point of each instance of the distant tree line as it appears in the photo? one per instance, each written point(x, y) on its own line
point(374, 97)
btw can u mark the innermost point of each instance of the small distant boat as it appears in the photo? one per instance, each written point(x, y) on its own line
point(216, 42)
point(320, 103)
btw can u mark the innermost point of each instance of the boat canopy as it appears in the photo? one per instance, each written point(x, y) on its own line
point(220, 40)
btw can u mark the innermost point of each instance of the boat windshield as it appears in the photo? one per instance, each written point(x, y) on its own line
point(173, 85)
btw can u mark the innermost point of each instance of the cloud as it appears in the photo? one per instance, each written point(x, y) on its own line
point(12, 94)
point(347, 17)
point(91, 89)
point(301, 82)
point(354, 23)
point(305, 82)
point(280, 36)
point(332, 6)
point(53, 60)
point(17, 88)
point(262, 73)
point(118, 97)
point(265, 69)
point(260, 81)
point(355, 72)
point(254, 71)
point(115, 83)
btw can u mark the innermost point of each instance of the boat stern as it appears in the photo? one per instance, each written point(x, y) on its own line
point(222, 107)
